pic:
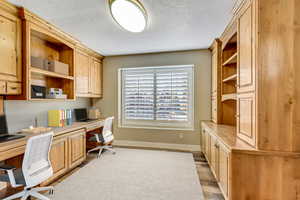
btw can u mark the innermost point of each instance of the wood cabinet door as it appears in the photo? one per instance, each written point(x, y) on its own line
point(246, 118)
point(207, 146)
point(224, 167)
point(98, 78)
point(95, 77)
point(77, 144)
point(214, 73)
point(214, 156)
point(59, 158)
point(10, 47)
point(82, 73)
point(203, 141)
point(214, 107)
point(246, 61)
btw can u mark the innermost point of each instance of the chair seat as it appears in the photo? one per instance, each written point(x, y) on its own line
point(20, 180)
point(107, 139)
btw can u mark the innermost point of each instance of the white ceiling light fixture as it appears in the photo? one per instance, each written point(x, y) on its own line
point(129, 14)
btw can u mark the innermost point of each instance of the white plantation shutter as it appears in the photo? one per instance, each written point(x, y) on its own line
point(156, 97)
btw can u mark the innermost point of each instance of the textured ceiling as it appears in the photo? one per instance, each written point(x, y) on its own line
point(174, 24)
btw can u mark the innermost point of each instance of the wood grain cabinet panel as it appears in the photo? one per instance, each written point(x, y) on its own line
point(82, 73)
point(214, 152)
point(59, 158)
point(10, 47)
point(77, 145)
point(214, 114)
point(246, 118)
point(207, 146)
point(224, 158)
point(246, 64)
point(214, 73)
point(216, 80)
point(95, 77)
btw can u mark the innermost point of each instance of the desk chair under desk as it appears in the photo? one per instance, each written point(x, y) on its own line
point(36, 169)
point(104, 139)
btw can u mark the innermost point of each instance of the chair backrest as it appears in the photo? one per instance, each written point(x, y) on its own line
point(36, 163)
point(107, 129)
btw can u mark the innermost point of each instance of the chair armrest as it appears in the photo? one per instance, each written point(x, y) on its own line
point(7, 167)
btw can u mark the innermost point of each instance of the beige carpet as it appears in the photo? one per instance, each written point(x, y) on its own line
point(134, 175)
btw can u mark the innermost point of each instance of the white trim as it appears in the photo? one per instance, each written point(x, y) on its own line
point(167, 125)
point(156, 145)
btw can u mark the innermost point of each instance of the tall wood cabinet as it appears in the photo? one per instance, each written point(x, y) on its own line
point(10, 50)
point(216, 80)
point(257, 139)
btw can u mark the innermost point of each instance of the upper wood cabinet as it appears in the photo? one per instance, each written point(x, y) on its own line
point(10, 50)
point(246, 45)
point(88, 75)
point(82, 73)
point(96, 77)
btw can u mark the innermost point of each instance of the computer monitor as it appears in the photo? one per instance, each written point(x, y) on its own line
point(81, 114)
point(3, 125)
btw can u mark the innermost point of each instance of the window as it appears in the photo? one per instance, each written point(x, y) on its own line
point(156, 97)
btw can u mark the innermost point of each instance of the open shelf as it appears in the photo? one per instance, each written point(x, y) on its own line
point(231, 60)
point(230, 78)
point(226, 97)
point(49, 73)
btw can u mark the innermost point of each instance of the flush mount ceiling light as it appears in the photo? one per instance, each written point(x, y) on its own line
point(129, 14)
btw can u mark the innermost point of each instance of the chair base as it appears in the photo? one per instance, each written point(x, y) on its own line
point(31, 192)
point(101, 148)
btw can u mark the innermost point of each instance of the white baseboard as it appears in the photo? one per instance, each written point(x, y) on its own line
point(154, 145)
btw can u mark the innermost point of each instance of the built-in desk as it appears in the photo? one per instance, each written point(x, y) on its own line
point(68, 148)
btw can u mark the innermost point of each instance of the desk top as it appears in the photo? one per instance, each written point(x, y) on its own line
point(227, 134)
point(20, 143)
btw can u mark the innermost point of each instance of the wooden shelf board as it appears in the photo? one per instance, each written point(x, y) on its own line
point(230, 78)
point(51, 74)
point(231, 60)
point(39, 99)
point(226, 97)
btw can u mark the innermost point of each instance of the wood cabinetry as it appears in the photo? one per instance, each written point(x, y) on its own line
point(67, 151)
point(214, 155)
point(216, 80)
point(224, 160)
point(244, 172)
point(10, 49)
point(88, 74)
point(59, 157)
point(246, 47)
point(76, 143)
point(82, 73)
point(95, 77)
point(246, 118)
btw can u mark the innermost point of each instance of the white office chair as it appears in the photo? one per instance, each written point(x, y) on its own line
point(105, 139)
point(36, 168)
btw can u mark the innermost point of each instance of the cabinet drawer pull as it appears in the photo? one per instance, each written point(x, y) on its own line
point(13, 88)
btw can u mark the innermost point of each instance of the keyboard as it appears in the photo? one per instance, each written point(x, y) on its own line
point(7, 138)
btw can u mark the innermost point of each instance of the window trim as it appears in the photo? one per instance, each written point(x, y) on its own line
point(163, 125)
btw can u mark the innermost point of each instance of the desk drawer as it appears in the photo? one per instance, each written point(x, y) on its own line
point(14, 88)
